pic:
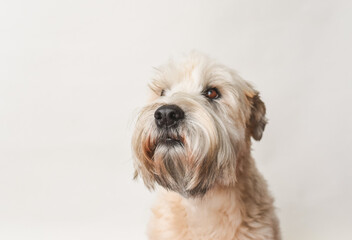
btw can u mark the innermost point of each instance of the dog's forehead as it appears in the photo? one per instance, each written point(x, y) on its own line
point(190, 79)
point(193, 76)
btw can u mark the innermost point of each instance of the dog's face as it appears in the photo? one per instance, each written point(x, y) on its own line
point(196, 127)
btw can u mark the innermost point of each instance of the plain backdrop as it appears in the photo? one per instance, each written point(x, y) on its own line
point(73, 75)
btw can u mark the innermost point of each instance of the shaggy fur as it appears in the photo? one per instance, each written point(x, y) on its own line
point(213, 188)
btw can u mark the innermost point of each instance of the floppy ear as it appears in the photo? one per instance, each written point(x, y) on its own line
point(257, 120)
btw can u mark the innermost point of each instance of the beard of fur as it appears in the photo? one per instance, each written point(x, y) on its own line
point(206, 153)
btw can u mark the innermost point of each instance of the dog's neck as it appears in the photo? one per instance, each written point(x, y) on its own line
point(218, 206)
point(231, 204)
point(215, 199)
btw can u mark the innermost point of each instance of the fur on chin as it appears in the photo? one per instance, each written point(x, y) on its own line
point(203, 154)
point(181, 166)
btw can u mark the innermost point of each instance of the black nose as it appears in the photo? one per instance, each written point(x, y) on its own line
point(168, 115)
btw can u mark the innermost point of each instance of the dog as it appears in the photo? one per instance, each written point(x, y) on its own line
point(193, 139)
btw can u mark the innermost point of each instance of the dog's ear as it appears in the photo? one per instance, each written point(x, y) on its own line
point(257, 120)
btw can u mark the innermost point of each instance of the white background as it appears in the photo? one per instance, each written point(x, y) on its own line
point(74, 73)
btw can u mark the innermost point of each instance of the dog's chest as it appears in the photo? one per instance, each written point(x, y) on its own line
point(215, 218)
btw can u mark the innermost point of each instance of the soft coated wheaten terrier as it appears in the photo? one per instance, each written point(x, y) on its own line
point(194, 140)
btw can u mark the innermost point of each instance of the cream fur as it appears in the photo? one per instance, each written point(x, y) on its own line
point(214, 190)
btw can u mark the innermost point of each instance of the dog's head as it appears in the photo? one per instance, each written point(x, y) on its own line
point(196, 127)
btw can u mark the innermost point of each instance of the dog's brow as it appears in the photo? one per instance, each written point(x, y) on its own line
point(155, 87)
point(152, 88)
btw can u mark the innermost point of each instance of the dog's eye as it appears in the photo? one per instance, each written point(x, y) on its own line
point(162, 92)
point(212, 93)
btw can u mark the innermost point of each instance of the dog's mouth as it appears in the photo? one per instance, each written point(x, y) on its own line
point(170, 139)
